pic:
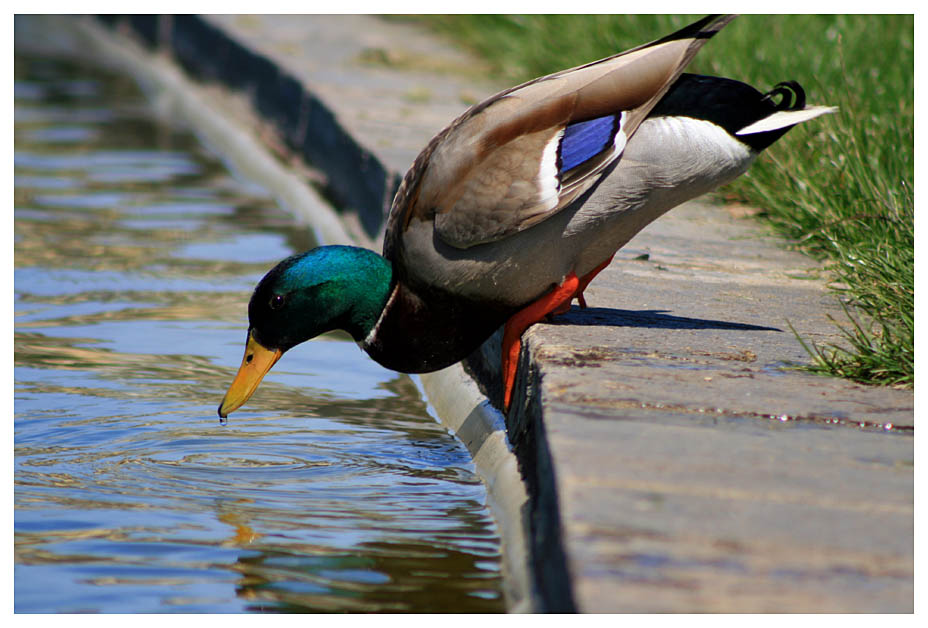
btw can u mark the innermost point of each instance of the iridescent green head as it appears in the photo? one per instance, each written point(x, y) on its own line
point(331, 287)
point(327, 288)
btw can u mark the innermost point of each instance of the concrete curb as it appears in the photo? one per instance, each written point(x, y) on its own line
point(462, 408)
point(307, 125)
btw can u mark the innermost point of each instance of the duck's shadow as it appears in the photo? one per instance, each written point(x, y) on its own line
point(654, 319)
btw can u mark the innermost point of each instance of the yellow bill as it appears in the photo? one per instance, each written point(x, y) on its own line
point(257, 362)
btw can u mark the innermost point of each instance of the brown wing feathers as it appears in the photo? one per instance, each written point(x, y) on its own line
point(461, 186)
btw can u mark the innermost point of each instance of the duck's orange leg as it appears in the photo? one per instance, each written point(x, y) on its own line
point(587, 278)
point(522, 320)
point(584, 282)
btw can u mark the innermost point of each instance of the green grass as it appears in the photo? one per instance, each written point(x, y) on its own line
point(839, 188)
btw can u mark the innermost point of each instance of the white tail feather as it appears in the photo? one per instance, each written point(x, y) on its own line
point(782, 119)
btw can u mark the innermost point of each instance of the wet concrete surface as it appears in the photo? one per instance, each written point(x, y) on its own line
point(672, 463)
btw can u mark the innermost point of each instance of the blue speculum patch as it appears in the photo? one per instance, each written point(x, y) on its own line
point(584, 140)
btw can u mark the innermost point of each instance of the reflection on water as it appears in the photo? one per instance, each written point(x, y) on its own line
point(135, 252)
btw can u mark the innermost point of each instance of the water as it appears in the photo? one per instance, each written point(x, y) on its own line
point(135, 253)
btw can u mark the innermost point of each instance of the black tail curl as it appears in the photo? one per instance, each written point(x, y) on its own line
point(793, 96)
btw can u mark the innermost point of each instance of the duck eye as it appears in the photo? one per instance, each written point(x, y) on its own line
point(277, 301)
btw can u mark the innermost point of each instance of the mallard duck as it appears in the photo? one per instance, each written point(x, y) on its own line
point(508, 213)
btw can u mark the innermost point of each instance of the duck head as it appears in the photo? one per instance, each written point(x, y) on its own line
point(327, 288)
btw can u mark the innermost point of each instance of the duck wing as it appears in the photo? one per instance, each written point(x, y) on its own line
point(524, 154)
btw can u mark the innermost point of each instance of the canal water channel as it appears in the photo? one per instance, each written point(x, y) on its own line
point(135, 252)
